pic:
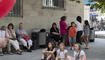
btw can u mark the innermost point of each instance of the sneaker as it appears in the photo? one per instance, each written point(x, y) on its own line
point(1, 54)
point(29, 50)
point(10, 53)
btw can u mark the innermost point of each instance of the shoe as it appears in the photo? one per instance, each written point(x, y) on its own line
point(10, 53)
point(87, 48)
point(1, 54)
point(19, 52)
point(29, 50)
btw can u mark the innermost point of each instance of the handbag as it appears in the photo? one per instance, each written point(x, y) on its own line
point(26, 38)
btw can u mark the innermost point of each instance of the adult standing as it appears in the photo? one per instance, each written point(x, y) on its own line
point(63, 28)
point(79, 26)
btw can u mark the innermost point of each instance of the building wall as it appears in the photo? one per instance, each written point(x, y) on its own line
point(86, 12)
point(35, 17)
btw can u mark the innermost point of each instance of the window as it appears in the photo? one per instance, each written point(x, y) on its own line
point(53, 3)
point(17, 11)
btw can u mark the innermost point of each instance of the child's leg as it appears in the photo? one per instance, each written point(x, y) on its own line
point(53, 56)
point(86, 41)
point(48, 57)
point(74, 41)
point(57, 58)
point(70, 41)
point(44, 54)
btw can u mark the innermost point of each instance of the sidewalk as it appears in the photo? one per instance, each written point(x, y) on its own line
point(96, 52)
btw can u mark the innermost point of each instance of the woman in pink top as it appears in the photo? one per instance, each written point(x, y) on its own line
point(63, 28)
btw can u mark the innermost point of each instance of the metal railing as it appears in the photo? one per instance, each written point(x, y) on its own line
point(17, 11)
point(53, 3)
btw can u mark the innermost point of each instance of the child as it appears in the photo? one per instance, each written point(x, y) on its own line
point(72, 35)
point(86, 31)
point(49, 52)
point(62, 52)
point(78, 53)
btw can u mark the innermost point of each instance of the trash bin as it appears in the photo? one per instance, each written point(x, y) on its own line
point(35, 39)
point(38, 38)
point(92, 35)
point(42, 37)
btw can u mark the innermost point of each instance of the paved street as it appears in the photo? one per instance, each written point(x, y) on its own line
point(96, 52)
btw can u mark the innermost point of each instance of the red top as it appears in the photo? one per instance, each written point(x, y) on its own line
point(72, 32)
point(5, 7)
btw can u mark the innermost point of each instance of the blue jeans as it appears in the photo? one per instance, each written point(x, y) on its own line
point(72, 40)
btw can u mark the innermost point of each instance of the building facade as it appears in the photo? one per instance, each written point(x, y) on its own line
point(39, 14)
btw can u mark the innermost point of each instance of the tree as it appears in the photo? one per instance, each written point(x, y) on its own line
point(98, 4)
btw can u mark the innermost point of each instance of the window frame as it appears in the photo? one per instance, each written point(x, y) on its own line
point(59, 8)
point(17, 10)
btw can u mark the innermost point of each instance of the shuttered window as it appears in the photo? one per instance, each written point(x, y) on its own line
point(53, 3)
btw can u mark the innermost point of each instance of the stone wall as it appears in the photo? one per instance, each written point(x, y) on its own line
point(36, 17)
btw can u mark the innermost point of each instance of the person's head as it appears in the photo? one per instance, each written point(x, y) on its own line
point(10, 26)
point(73, 24)
point(50, 45)
point(79, 19)
point(77, 46)
point(3, 27)
point(54, 25)
point(62, 46)
point(86, 23)
point(63, 18)
point(21, 26)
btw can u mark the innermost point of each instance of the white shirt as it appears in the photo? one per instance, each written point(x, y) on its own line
point(81, 53)
point(21, 32)
point(10, 35)
point(62, 53)
point(79, 26)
